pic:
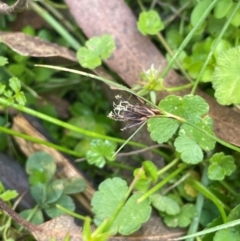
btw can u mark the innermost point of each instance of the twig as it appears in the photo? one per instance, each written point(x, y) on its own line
point(18, 6)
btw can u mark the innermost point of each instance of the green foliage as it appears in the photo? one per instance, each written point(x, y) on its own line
point(149, 23)
point(3, 61)
point(183, 218)
point(198, 11)
point(110, 201)
point(36, 216)
point(192, 136)
point(48, 192)
point(221, 165)
point(226, 234)
point(96, 50)
point(189, 107)
point(12, 93)
point(226, 77)
point(151, 81)
point(7, 195)
point(151, 170)
point(231, 233)
point(162, 129)
point(165, 204)
point(100, 152)
point(222, 7)
point(190, 151)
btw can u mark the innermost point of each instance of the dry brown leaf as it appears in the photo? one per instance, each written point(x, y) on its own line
point(135, 53)
point(57, 229)
point(33, 46)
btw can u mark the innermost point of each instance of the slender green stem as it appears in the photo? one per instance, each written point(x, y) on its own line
point(227, 23)
point(168, 166)
point(211, 230)
point(162, 183)
point(177, 88)
point(125, 143)
point(188, 38)
point(199, 206)
point(120, 165)
point(229, 188)
point(30, 216)
point(219, 204)
point(170, 52)
point(56, 5)
point(106, 81)
point(55, 24)
point(73, 214)
point(120, 206)
point(59, 15)
point(66, 125)
point(141, 5)
point(36, 140)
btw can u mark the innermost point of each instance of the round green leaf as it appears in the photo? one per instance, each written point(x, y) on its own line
point(52, 211)
point(226, 77)
point(103, 46)
point(38, 192)
point(165, 204)
point(190, 151)
point(182, 219)
point(36, 216)
point(132, 215)
point(226, 234)
point(87, 58)
point(236, 19)
point(199, 10)
point(74, 185)
point(150, 23)
point(221, 166)
point(221, 8)
point(43, 163)
point(162, 129)
point(204, 141)
point(189, 107)
point(54, 191)
point(106, 200)
point(101, 150)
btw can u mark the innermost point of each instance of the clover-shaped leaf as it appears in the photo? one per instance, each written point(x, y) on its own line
point(221, 165)
point(182, 219)
point(150, 23)
point(162, 129)
point(105, 202)
point(165, 204)
point(226, 77)
point(96, 50)
point(190, 151)
point(196, 133)
point(42, 166)
point(189, 107)
point(100, 151)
